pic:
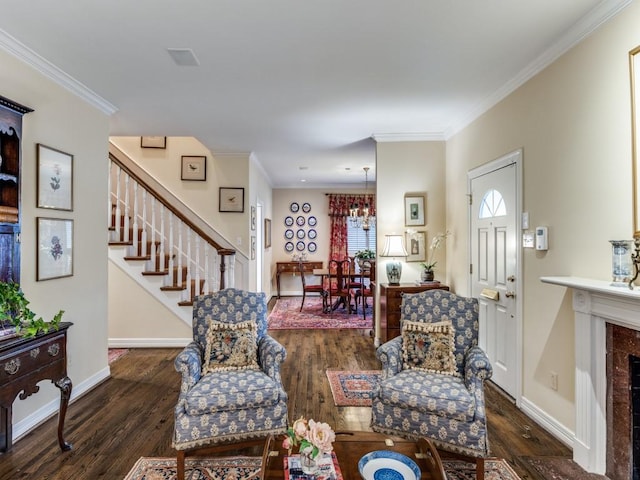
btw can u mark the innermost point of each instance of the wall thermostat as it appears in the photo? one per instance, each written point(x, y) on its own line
point(542, 238)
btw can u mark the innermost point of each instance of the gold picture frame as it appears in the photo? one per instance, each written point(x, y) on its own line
point(634, 70)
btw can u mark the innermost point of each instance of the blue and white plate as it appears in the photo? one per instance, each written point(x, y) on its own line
point(388, 465)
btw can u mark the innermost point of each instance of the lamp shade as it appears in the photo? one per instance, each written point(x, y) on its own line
point(394, 247)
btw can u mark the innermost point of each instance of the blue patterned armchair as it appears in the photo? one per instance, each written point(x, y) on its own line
point(433, 374)
point(231, 388)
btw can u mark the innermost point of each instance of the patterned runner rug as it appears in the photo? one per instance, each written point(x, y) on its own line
point(248, 468)
point(352, 389)
point(286, 315)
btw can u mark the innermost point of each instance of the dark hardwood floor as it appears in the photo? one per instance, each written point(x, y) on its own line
point(131, 414)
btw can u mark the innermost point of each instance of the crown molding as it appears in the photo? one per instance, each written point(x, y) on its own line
point(46, 68)
point(588, 24)
point(408, 137)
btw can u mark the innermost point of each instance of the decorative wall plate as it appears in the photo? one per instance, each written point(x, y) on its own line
point(306, 207)
point(312, 234)
point(288, 221)
point(288, 234)
point(312, 221)
point(288, 247)
point(294, 207)
point(300, 221)
point(312, 247)
point(300, 246)
point(300, 234)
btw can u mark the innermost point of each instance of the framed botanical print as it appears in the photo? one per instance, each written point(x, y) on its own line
point(414, 210)
point(231, 200)
point(55, 179)
point(55, 248)
point(416, 246)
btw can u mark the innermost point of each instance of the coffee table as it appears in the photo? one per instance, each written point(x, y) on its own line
point(351, 446)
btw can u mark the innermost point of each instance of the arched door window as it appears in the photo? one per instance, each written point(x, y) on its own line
point(492, 205)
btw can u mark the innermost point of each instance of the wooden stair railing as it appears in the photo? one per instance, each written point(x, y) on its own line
point(162, 236)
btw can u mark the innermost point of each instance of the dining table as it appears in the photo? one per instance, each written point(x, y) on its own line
point(325, 274)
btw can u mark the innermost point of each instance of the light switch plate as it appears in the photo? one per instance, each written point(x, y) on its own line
point(528, 240)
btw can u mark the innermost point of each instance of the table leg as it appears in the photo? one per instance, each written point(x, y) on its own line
point(278, 283)
point(65, 386)
point(5, 429)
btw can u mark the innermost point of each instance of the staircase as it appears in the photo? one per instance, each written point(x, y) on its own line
point(154, 240)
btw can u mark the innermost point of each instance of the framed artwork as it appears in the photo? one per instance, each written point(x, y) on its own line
point(55, 179)
point(253, 217)
point(416, 246)
point(253, 247)
point(267, 232)
point(414, 210)
point(231, 200)
point(194, 168)
point(55, 248)
point(153, 142)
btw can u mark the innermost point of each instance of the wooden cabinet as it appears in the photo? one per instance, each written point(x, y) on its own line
point(390, 301)
point(10, 161)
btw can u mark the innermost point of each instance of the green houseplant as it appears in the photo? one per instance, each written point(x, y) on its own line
point(16, 314)
point(363, 256)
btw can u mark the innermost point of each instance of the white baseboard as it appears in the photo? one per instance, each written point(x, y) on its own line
point(24, 426)
point(149, 342)
point(546, 421)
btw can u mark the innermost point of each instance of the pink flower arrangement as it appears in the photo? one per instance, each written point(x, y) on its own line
point(312, 437)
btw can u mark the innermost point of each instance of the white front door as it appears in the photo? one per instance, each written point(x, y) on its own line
point(495, 274)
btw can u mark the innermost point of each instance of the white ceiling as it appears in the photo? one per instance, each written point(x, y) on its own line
point(300, 83)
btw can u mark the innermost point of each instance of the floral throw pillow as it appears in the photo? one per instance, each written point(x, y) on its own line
point(230, 347)
point(429, 347)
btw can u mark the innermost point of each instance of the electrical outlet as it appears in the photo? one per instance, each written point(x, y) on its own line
point(554, 381)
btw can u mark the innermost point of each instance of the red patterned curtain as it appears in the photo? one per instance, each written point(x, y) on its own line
point(339, 204)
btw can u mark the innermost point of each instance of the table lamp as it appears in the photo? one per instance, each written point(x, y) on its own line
point(394, 247)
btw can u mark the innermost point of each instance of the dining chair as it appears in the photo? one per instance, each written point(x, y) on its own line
point(338, 288)
point(366, 290)
point(314, 288)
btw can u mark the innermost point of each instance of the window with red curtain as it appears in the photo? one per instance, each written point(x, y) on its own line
point(339, 204)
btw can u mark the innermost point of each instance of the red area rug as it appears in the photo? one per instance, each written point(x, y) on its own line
point(115, 353)
point(286, 315)
point(352, 389)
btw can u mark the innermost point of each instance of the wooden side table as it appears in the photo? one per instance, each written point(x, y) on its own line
point(293, 267)
point(23, 363)
point(390, 301)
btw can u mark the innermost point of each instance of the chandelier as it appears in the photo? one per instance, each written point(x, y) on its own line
point(359, 217)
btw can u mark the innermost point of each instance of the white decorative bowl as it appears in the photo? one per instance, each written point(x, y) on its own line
point(388, 465)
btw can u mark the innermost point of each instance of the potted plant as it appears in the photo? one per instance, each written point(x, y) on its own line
point(16, 316)
point(427, 267)
point(363, 256)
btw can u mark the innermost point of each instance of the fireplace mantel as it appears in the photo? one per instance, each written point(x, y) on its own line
point(595, 303)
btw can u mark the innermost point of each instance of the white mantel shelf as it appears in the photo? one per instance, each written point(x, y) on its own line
point(595, 303)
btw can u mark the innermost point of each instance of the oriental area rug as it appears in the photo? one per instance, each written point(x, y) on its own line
point(248, 468)
point(352, 389)
point(286, 315)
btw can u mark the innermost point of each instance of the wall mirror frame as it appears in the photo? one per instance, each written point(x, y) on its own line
point(634, 69)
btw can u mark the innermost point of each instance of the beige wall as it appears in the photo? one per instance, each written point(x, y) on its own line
point(63, 121)
point(411, 167)
point(573, 122)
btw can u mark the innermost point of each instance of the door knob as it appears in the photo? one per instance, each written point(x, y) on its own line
point(511, 278)
point(510, 294)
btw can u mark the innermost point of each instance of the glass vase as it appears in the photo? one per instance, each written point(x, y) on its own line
point(621, 264)
point(308, 464)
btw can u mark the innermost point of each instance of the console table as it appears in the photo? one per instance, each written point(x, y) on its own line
point(294, 267)
point(390, 301)
point(23, 363)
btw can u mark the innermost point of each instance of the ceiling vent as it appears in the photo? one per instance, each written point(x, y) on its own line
point(184, 57)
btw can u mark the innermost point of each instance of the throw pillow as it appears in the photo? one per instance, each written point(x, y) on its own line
point(230, 346)
point(429, 347)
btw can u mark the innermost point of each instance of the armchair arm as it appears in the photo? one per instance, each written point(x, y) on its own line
point(477, 368)
point(271, 354)
point(189, 364)
point(390, 355)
